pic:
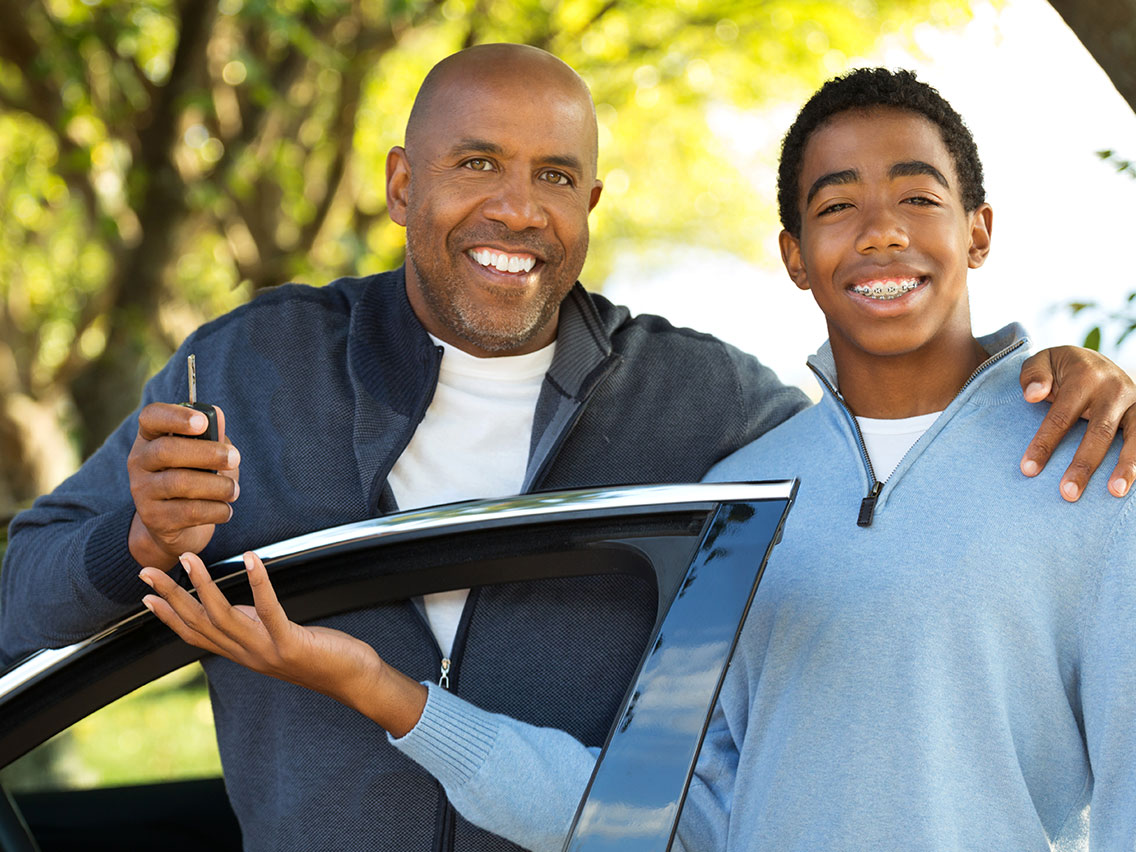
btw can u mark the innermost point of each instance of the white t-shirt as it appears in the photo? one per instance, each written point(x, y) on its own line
point(889, 440)
point(472, 443)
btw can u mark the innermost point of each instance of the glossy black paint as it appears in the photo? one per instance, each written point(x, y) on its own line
point(637, 790)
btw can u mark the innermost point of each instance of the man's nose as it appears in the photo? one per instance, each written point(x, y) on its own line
point(881, 230)
point(516, 203)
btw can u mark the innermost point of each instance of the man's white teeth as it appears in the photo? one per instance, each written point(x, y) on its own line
point(886, 289)
point(503, 262)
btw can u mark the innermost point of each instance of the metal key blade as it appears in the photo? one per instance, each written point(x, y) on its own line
point(192, 361)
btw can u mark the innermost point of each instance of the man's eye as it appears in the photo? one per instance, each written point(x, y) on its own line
point(555, 177)
point(478, 164)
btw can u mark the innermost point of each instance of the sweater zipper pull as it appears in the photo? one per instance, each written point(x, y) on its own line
point(868, 505)
point(444, 680)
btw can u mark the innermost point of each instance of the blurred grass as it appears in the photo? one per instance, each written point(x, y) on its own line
point(160, 732)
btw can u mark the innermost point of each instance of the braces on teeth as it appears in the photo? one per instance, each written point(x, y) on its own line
point(887, 289)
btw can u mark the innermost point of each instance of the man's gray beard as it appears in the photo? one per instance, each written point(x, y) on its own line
point(469, 325)
point(467, 328)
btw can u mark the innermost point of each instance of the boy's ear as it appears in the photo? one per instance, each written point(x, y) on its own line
point(791, 257)
point(398, 184)
point(981, 227)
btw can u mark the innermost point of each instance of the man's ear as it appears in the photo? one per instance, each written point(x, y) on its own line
point(981, 228)
point(398, 184)
point(597, 188)
point(791, 257)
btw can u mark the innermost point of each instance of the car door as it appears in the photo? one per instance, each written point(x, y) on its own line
point(703, 546)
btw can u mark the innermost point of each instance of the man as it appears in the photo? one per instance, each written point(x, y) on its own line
point(345, 408)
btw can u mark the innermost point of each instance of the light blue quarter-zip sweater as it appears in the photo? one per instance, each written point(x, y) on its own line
point(958, 675)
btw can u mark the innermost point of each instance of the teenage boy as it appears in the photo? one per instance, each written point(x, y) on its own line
point(940, 656)
point(937, 658)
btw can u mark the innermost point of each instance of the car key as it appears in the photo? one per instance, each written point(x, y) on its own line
point(210, 433)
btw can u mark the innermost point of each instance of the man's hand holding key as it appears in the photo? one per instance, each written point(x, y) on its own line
point(178, 495)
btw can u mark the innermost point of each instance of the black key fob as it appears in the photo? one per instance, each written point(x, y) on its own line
point(210, 433)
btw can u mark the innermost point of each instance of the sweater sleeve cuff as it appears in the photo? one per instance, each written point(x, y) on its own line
point(452, 740)
point(111, 569)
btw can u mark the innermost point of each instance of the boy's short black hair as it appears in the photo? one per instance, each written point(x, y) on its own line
point(864, 89)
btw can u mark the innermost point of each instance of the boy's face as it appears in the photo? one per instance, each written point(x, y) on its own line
point(885, 241)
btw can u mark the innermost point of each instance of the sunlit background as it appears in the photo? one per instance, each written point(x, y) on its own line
point(1040, 109)
point(142, 194)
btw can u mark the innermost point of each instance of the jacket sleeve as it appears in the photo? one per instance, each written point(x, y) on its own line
point(1108, 691)
point(68, 571)
point(765, 400)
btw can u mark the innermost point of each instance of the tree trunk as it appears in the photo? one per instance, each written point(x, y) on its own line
point(109, 387)
point(1107, 28)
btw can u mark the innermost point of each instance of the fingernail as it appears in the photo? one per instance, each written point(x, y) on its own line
point(1070, 490)
point(198, 422)
point(1118, 486)
point(1030, 467)
point(248, 560)
point(1034, 389)
point(145, 579)
point(234, 457)
point(184, 560)
point(236, 490)
point(146, 603)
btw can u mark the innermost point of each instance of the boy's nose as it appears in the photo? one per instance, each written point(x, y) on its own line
point(881, 231)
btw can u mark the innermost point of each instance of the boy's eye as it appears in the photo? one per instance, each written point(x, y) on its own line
point(478, 164)
point(835, 207)
point(554, 177)
point(922, 201)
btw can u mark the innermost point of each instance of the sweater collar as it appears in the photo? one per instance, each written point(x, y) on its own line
point(997, 345)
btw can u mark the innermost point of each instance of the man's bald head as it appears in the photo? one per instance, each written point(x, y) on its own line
point(494, 65)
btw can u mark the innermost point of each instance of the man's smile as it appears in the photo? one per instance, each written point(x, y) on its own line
point(502, 261)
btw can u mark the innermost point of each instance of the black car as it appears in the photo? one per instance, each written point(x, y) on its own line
point(704, 546)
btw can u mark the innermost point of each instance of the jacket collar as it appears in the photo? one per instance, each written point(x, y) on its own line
point(394, 369)
point(384, 325)
point(582, 344)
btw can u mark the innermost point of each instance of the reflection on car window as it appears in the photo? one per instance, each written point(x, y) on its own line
point(162, 731)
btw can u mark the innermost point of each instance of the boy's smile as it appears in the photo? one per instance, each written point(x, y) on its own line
point(885, 246)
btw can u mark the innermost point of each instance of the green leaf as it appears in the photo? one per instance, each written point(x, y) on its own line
point(1093, 339)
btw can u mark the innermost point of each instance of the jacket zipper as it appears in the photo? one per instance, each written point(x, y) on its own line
point(447, 680)
point(868, 504)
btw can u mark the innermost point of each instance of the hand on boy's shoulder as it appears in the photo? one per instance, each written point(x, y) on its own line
point(1081, 384)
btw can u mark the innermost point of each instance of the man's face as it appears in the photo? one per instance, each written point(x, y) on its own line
point(885, 240)
point(495, 190)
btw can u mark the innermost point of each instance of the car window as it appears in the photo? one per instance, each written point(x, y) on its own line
point(162, 731)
